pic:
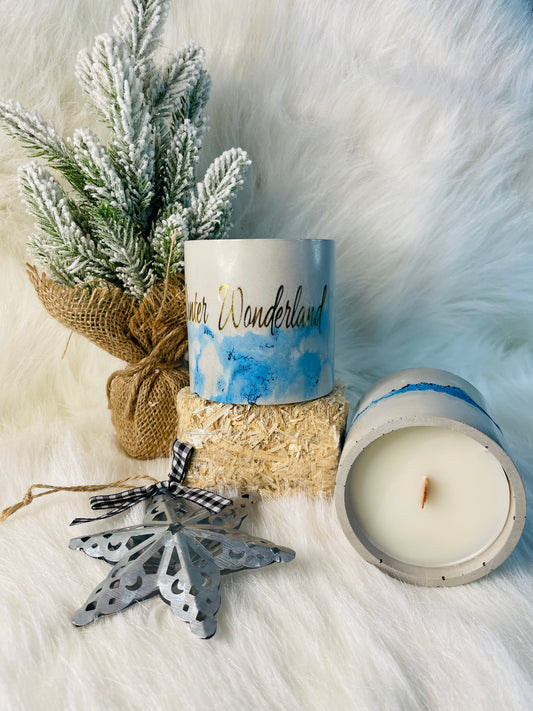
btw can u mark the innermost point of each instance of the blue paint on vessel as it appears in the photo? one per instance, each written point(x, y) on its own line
point(451, 390)
point(287, 365)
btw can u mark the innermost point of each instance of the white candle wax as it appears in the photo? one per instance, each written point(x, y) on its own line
point(466, 504)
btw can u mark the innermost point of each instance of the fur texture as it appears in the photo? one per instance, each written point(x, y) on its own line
point(403, 130)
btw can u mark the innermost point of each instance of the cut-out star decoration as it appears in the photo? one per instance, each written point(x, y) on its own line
point(180, 551)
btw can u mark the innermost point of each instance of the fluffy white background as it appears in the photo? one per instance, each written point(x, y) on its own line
point(404, 130)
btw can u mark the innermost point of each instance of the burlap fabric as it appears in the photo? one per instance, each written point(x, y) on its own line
point(151, 336)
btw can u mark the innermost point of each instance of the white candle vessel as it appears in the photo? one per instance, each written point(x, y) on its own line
point(425, 489)
point(260, 319)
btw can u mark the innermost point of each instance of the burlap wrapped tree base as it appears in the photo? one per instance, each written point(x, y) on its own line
point(151, 336)
point(274, 449)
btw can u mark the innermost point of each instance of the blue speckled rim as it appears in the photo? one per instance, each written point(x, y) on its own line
point(451, 390)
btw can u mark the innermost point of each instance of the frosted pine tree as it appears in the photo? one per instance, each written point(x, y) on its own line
point(131, 203)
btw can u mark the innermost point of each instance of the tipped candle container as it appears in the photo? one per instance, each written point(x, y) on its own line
point(425, 488)
point(260, 319)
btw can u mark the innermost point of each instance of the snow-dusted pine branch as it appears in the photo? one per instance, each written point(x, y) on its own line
point(178, 170)
point(102, 183)
point(41, 139)
point(192, 104)
point(178, 77)
point(36, 134)
point(140, 25)
point(167, 241)
point(68, 253)
point(210, 211)
point(127, 252)
point(108, 76)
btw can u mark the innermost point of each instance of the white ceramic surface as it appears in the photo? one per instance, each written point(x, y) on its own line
point(260, 319)
point(491, 497)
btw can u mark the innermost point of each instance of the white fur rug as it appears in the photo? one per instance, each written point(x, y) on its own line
point(404, 130)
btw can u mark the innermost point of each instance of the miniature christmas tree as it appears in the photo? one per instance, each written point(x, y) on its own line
point(111, 243)
point(134, 202)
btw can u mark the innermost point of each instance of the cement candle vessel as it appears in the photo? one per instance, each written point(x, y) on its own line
point(425, 488)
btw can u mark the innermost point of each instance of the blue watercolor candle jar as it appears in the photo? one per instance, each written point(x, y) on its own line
point(260, 319)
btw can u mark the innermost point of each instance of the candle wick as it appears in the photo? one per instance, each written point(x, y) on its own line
point(424, 491)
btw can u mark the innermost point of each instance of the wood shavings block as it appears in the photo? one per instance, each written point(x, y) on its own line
point(273, 449)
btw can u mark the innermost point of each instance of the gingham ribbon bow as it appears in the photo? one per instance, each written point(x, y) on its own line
point(181, 455)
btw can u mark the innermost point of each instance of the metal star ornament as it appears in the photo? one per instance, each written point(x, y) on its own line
point(180, 551)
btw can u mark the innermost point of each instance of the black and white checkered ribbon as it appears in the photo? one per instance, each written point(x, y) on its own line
point(181, 455)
